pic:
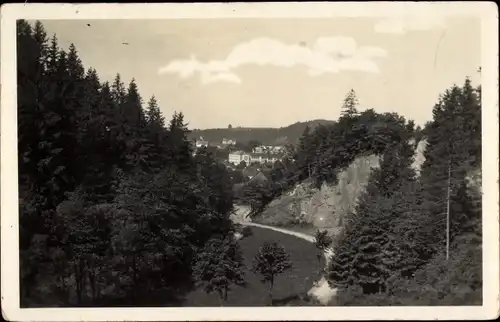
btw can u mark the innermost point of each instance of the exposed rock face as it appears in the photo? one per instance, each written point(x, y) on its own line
point(328, 206)
point(325, 207)
point(419, 155)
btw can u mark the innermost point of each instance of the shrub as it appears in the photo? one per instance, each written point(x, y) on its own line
point(247, 231)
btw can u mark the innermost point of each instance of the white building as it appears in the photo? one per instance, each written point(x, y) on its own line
point(228, 142)
point(201, 143)
point(277, 149)
point(266, 157)
point(258, 149)
point(268, 149)
point(237, 156)
point(263, 158)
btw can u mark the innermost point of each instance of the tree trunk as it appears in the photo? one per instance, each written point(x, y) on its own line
point(318, 256)
point(77, 283)
point(221, 298)
point(448, 212)
point(134, 276)
point(92, 279)
point(271, 284)
point(63, 280)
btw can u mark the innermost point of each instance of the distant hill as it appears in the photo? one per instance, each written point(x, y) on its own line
point(270, 136)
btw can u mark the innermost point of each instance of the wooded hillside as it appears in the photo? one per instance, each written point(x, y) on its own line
point(268, 136)
point(411, 239)
point(112, 204)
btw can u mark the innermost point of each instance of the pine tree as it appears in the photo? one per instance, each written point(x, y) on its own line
point(75, 67)
point(349, 106)
point(118, 91)
point(322, 242)
point(52, 56)
point(340, 273)
point(181, 149)
point(153, 114)
point(132, 108)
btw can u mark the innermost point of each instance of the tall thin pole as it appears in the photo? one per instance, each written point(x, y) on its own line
point(448, 212)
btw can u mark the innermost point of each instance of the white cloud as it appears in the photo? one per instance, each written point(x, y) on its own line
point(218, 77)
point(326, 55)
point(401, 25)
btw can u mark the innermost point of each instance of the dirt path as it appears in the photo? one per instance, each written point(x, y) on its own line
point(307, 237)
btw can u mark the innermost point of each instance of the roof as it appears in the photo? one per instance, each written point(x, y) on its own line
point(250, 171)
point(238, 152)
point(259, 177)
point(264, 155)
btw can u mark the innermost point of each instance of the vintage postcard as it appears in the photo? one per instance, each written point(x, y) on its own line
point(249, 161)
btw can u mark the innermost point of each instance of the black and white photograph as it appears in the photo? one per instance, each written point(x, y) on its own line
point(207, 161)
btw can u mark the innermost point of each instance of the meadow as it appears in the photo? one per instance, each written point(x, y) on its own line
point(289, 288)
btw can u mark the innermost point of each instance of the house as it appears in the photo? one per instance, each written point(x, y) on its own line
point(268, 149)
point(259, 178)
point(277, 149)
point(201, 143)
point(258, 149)
point(263, 157)
point(237, 156)
point(251, 171)
point(228, 142)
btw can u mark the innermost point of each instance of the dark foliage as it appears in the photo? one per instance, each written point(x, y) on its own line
point(270, 261)
point(417, 241)
point(113, 205)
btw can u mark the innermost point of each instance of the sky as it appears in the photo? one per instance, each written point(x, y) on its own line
point(253, 72)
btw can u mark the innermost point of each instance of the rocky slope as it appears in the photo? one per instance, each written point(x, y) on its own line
point(325, 207)
point(328, 206)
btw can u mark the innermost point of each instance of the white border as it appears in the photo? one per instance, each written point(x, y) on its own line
point(487, 11)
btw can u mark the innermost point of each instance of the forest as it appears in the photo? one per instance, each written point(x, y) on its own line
point(113, 204)
point(267, 136)
point(412, 239)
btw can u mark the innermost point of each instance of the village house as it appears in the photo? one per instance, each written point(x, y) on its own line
point(237, 156)
point(250, 171)
point(201, 143)
point(268, 149)
point(228, 142)
point(258, 149)
point(277, 149)
point(263, 158)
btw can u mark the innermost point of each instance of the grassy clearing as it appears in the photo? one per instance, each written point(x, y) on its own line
point(288, 288)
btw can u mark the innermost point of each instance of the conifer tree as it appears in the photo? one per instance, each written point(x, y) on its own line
point(349, 107)
point(132, 108)
point(153, 113)
point(75, 67)
point(322, 242)
point(118, 91)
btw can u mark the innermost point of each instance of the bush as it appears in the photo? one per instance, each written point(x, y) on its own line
point(247, 231)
